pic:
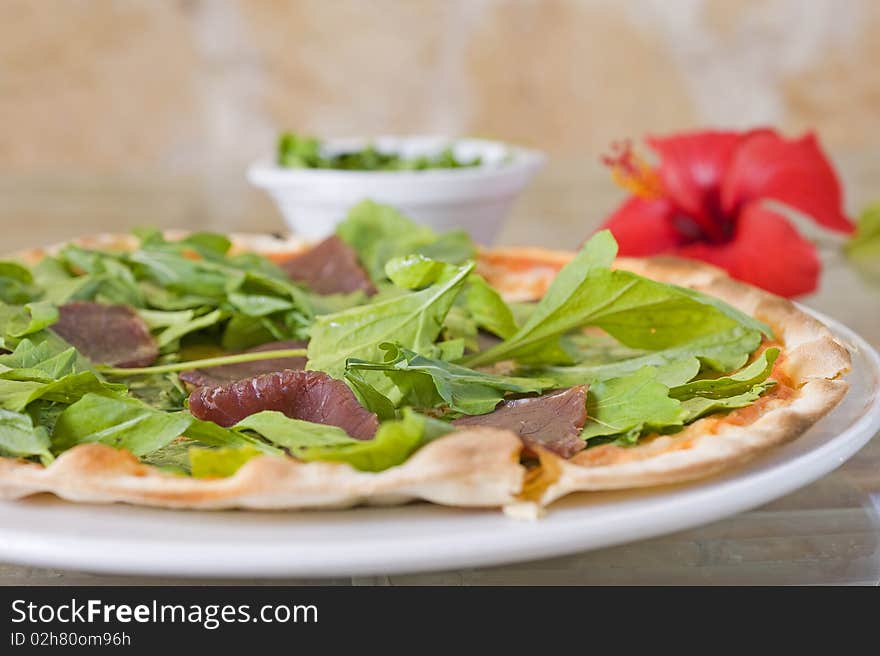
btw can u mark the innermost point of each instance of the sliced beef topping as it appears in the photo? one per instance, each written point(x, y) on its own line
point(330, 267)
point(309, 395)
point(552, 421)
point(107, 334)
point(215, 376)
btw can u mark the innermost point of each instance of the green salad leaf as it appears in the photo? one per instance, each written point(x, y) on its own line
point(369, 397)
point(19, 438)
point(17, 284)
point(186, 289)
point(733, 385)
point(413, 319)
point(172, 458)
point(304, 152)
point(700, 406)
point(173, 333)
point(426, 382)
point(117, 422)
point(630, 404)
point(394, 442)
point(16, 395)
point(487, 309)
point(38, 361)
point(220, 462)
point(722, 351)
point(639, 312)
point(863, 249)
point(460, 325)
point(17, 321)
point(379, 233)
point(414, 271)
point(294, 434)
point(209, 433)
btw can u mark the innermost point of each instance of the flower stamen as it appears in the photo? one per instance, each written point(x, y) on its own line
point(631, 172)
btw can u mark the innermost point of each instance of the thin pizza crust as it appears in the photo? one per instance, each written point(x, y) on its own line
point(480, 467)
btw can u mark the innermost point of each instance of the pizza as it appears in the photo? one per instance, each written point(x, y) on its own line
point(388, 364)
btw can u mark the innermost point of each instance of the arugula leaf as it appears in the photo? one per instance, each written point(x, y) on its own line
point(630, 405)
point(16, 395)
point(207, 432)
point(369, 397)
point(208, 244)
point(488, 309)
point(242, 332)
point(864, 248)
point(57, 283)
point(448, 350)
point(678, 372)
point(15, 271)
point(49, 344)
point(379, 233)
point(454, 246)
point(723, 351)
point(41, 358)
point(247, 297)
point(460, 325)
point(175, 331)
point(117, 422)
point(161, 391)
point(31, 318)
point(414, 271)
point(220, 462)
point(259, 305)
point(173, 458)
point(700, 406)
point(100, 277)
point(294, 434)
point(167, 300)
point(639, 312)
point(16, 284)
point(330, 303)
point(19, 438)
point(426, 382)
point(414, 320)
point(176, 273)
point(394, 442)
point(164, 318)
point(733, 385)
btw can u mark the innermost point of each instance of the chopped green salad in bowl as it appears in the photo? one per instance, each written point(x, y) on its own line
point(306, 152)
point(440, 182)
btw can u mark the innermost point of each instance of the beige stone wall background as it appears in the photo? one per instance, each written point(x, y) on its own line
point(135, 111)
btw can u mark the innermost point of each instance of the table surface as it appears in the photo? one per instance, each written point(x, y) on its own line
point(825, 533)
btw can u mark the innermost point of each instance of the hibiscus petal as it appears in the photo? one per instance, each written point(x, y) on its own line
point(644, 226)
point(793, 171)
point(692, 168)
point(766, 250)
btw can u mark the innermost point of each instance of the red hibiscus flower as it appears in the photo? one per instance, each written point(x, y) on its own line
point(706, 201)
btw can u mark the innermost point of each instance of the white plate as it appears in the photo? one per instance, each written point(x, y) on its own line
point(123, 539)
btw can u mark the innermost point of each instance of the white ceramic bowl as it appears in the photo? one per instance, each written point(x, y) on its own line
point(477, 198)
